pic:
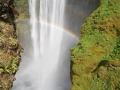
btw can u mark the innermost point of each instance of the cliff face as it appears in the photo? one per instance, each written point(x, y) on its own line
point(10, 48)
point(95, 61)
point(23, 8)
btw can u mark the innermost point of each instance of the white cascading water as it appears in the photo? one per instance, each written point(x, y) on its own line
point(46, 41)
point(54, 29)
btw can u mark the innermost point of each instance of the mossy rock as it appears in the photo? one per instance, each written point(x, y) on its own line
point(95, 60)
point(10, 48)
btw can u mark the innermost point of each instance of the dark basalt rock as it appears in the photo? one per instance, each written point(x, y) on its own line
point(8, 11)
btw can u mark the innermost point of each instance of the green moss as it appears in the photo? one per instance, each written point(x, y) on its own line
point(116, 52)
point(14, 41)
point(14, 64)
point(22, 7)
point(99, 41)
point(10, 48)
point(1, 70)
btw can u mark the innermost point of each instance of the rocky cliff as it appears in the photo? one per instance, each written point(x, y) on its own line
point(10, 48)
point(95, 61)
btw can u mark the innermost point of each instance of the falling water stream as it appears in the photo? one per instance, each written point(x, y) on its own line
point(52, 30)
point(46, 41)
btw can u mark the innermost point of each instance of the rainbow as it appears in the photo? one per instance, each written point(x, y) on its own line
point(60, 28)
point(67, 31)
point(73, 10)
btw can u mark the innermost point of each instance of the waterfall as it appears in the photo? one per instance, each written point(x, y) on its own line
point(46, 34)
point(46, 42)
point(52, 30)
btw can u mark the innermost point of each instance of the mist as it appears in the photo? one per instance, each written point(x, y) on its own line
point(48, 74)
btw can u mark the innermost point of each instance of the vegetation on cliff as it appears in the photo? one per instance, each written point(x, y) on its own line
point(10, 48)
point(23, 8)
point(95, 61)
